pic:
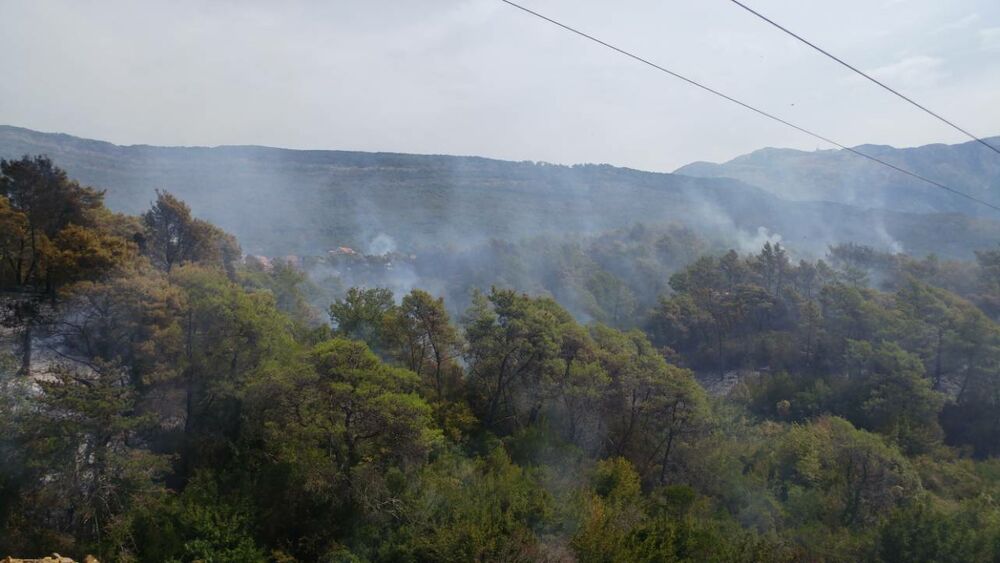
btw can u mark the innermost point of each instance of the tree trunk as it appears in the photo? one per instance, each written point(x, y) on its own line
point(26, 348)
point(666, 458)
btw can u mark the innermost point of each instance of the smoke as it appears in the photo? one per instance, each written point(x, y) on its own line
point(752, 243)
point(453, 224)
point(381, 245)
point(887, 240)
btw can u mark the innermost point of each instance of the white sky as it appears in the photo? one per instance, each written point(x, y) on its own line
point(479, 77)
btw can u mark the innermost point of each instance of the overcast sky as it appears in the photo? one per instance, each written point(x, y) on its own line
point(479, 77)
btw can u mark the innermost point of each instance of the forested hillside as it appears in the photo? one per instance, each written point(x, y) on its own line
point(281, 202)
point(168, 399)
point(837, 175)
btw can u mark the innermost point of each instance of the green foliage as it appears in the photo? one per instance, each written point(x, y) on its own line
point(511, 338)
point(200, 524)
point(361, 315)
point(52, 230)
point(339, 431)
point(922, 532)
point(185, 407)
point(653, 409)
point(425, 342)
point(475, 510)
point(890, 395)
point(621, 524)
point(87, 471)
point(861, 477)
point(173, 237)
point(293, 291)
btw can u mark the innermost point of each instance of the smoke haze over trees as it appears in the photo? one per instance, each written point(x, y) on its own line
point(590, 364)
point(280, 202)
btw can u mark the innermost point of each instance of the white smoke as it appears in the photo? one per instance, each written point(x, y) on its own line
point(886, 239)
point(752, 243)
point(381, 245)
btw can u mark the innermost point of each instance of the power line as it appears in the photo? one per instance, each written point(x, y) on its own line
point(869, 77)
point(750, 107)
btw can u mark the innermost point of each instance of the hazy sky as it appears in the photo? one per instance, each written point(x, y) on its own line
point(479, 77)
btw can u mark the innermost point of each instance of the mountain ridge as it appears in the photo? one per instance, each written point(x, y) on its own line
point(837, 175)
point(284, 201)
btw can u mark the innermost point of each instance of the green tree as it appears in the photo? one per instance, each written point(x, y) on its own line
point(173, 237)
point(84, 442)
point(426, 341)
point(134, 320)
point(921, 532)
point(652, 407)
point(42, 202)
point(486, 509)
point(616, 304)
point(227, 337)
point(14, 245)
point(512, 339)
point(293, 291)
point(342, 430)
point(199, 524)
point(858, 477)
point(890, 395)
point(81, 254)
point(363, 314)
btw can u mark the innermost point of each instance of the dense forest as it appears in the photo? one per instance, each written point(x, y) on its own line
point(167, 398)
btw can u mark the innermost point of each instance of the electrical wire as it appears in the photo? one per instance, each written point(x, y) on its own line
point(862, 73)
point(750, 107)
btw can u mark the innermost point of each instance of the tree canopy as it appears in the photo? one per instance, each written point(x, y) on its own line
point(166, 400)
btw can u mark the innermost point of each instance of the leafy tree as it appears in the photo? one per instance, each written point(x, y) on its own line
point(83, 436)
point(622, 524)
point(486, 509)
point(133, 320)
point(200, 524)
point(363, 314)
point(652, 407)
point(511, 339)
point(14, 245)
point(852, 313)
point(338, 428)
point(82, 254)
point(612, 508)
point(891, 396)
point(427, 342)
point(228, 336)
point(294, 293)
point(932, 330)
point(859, 477)
point(988, 293)
point(616, 304)
point(49, 199)
point(921, 532)
point(577, 385)
point(173, 237)
point(41, 201)
point(773, 267)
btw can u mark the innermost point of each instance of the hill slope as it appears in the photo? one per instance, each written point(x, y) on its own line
point(280, 201)
point(837, 175)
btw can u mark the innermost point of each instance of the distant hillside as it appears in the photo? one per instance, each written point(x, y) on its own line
point(280, 201)
point(837, 175)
